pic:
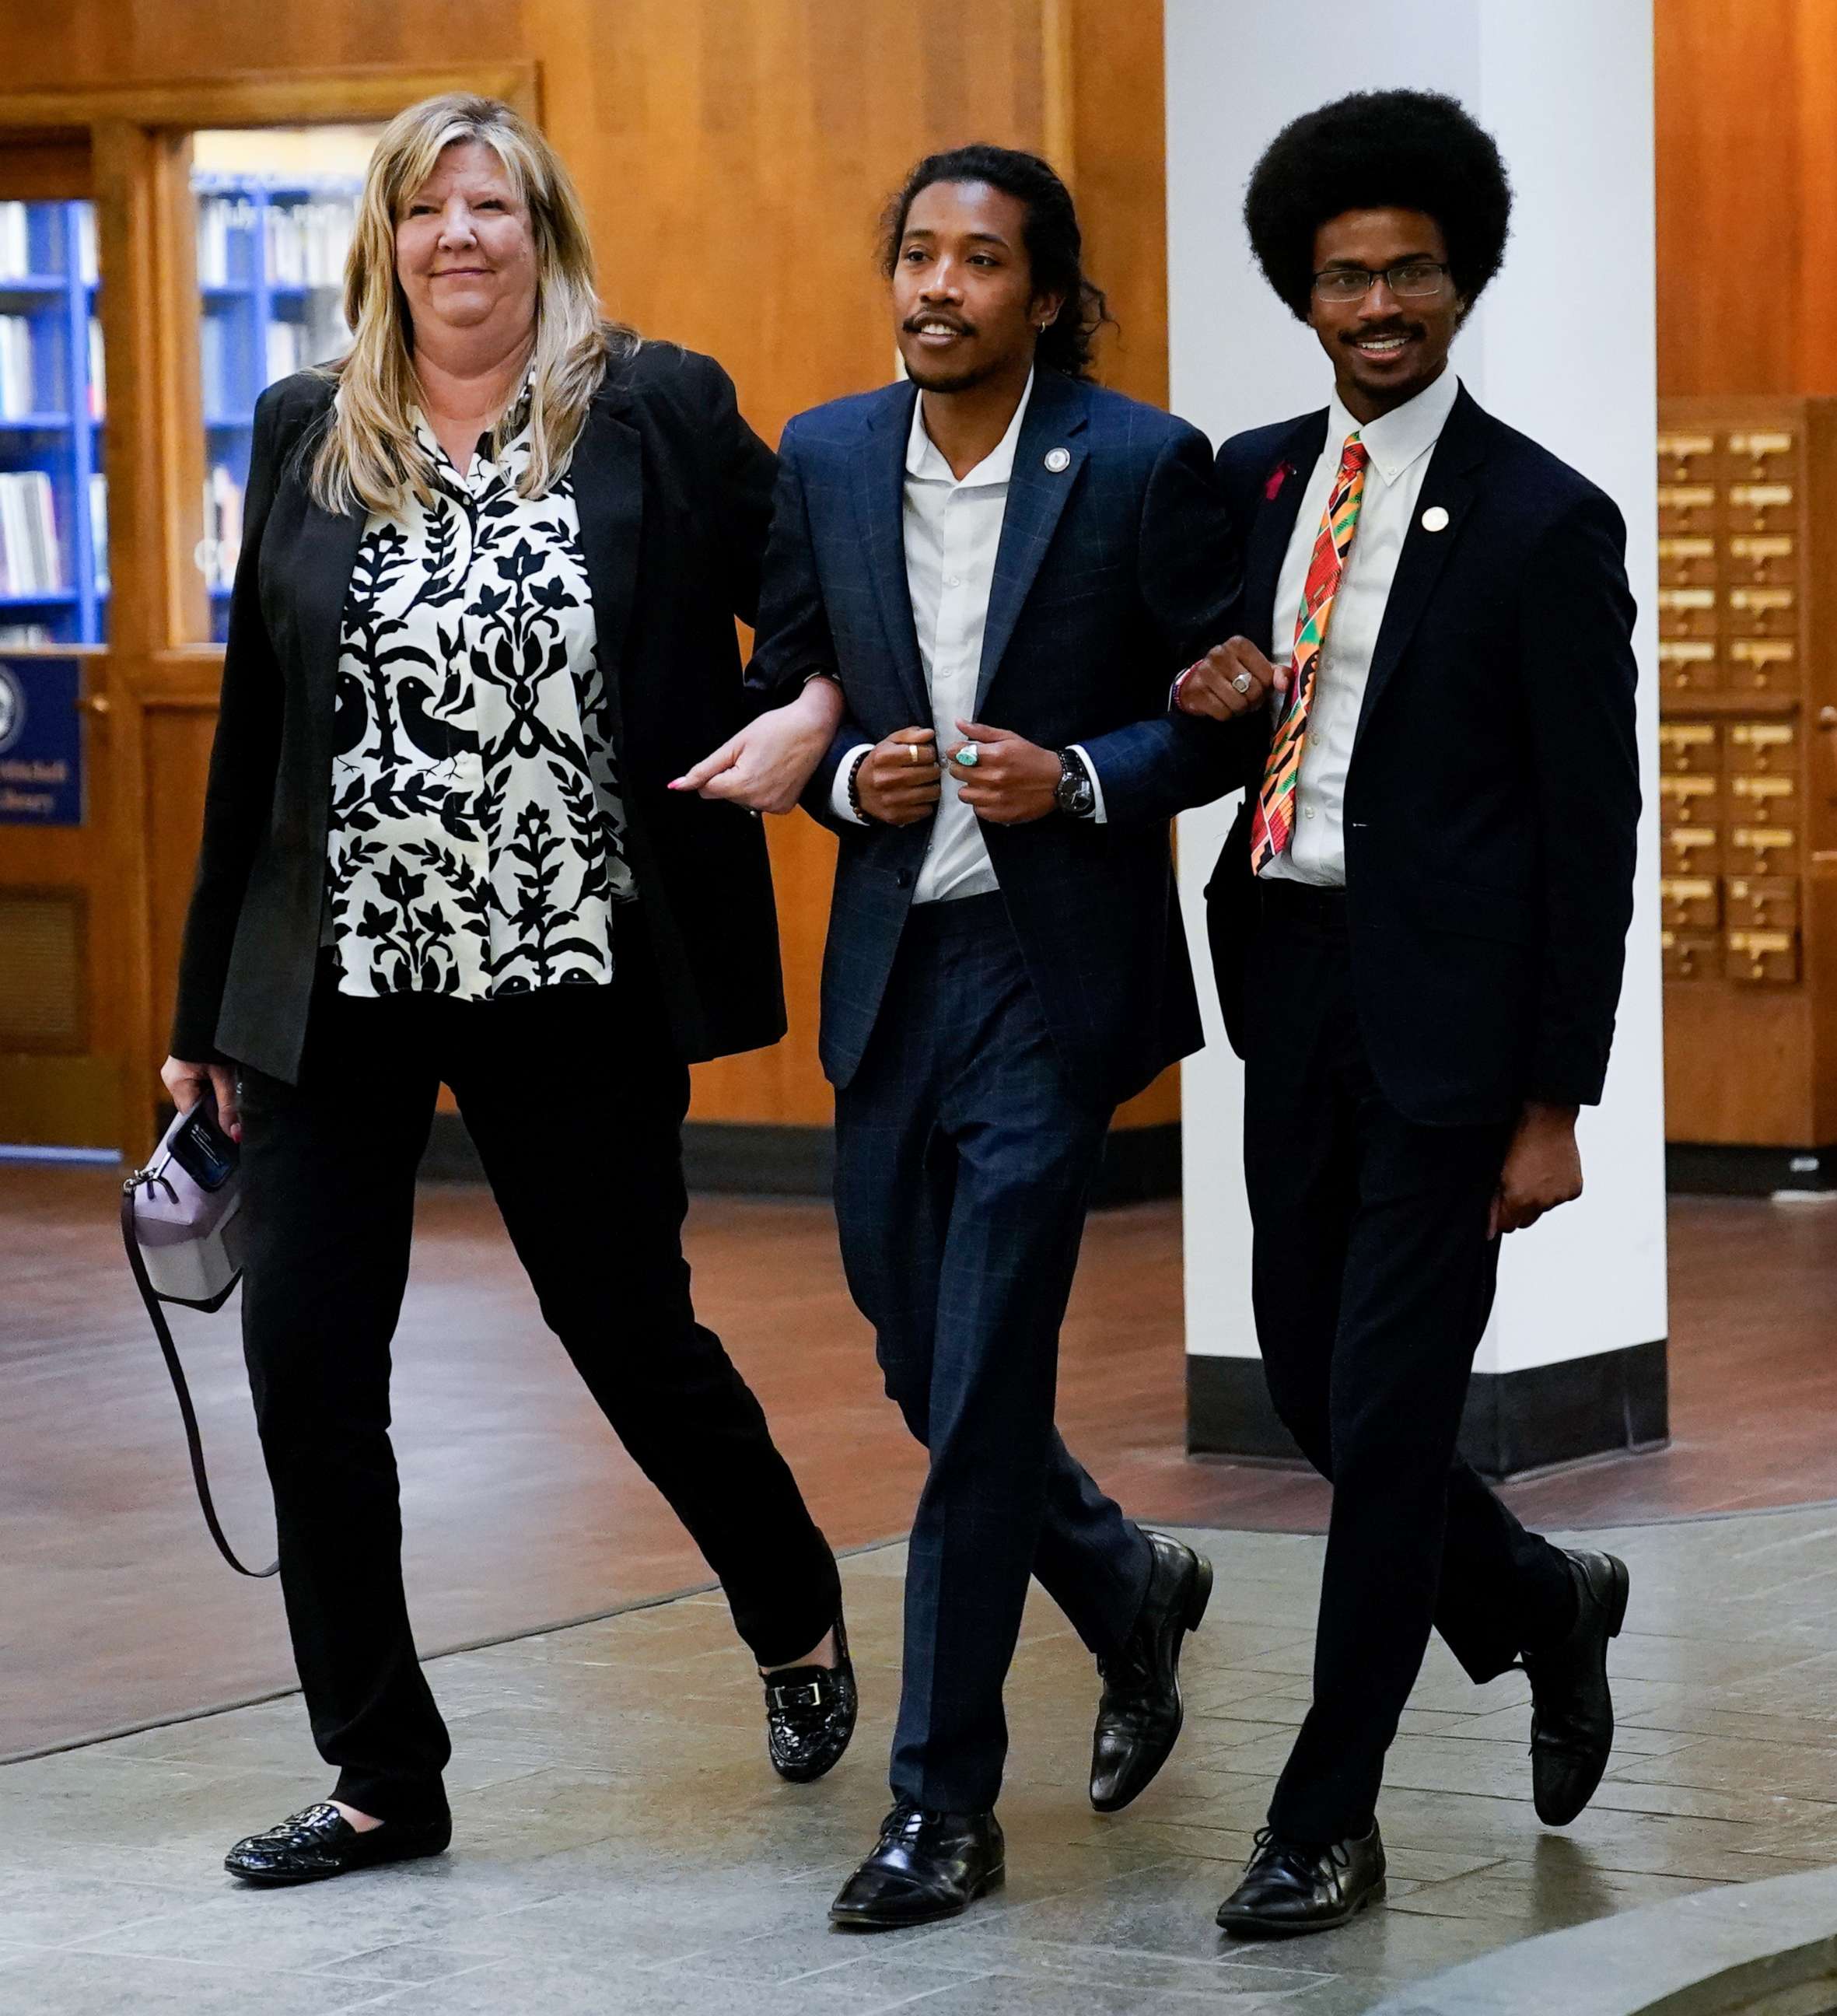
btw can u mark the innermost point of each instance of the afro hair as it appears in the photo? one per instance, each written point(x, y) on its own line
point(1379, 150)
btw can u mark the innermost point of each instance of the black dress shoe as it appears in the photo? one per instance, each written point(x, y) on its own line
point(1572, 1710)
point(924, 1866)
point(810, 1714)
point(1288, 1889)
point(1139, 1716)
point(321, 1842)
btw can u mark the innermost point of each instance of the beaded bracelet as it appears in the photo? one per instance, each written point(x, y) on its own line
point(855, 804)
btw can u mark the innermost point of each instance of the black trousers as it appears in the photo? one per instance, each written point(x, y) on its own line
point(1373, 1277)
point(576, 1101)
point(963, 1164)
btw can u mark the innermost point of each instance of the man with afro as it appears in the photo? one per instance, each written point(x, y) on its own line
point(1418, 928)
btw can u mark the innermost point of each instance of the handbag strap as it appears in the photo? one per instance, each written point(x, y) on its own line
point(194, 1443)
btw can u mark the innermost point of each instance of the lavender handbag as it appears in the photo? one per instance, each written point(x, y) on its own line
point(180, 1225)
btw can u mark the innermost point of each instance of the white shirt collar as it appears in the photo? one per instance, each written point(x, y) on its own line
point(925, 460)
point(1397, 438)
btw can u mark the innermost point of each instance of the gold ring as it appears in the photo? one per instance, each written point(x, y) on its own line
point(912, 752)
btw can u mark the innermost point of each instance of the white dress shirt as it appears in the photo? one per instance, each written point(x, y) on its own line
point(1400, 444)
point(953, 533)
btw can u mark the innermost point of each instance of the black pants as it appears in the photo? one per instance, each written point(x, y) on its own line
point(963, 1166)
point(1373, 1278)
point(575, 1100)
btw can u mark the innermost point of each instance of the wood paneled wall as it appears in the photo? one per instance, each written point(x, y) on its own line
point(734, 158)
point(1747, 229)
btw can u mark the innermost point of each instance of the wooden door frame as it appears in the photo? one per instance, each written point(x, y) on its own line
point(137, 136)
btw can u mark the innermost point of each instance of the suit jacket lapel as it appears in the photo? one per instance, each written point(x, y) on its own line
point(608, 473)
point(877, 474)
point(1271, 529)
point(1447, 485)
point(321, 564)
point(1055, 419)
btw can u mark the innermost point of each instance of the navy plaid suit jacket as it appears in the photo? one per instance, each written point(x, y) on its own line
point(1112, 574)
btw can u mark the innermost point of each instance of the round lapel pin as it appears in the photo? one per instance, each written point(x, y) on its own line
point(1434, 519)
point(1058, 460)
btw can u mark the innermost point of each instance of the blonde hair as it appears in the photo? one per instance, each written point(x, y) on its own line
point(369, 454)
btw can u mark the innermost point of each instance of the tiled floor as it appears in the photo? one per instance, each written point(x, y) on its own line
point(621, 1847)
point(110, 1585)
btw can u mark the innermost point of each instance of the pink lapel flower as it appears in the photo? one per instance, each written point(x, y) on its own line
point(1278, 476)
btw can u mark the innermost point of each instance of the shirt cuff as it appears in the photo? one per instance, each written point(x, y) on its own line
point(838, 788)
point(1099, 816)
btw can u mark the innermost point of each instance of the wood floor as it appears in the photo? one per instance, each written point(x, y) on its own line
point(521, 1511)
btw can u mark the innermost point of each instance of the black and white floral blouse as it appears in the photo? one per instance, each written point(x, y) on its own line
point(476, 845)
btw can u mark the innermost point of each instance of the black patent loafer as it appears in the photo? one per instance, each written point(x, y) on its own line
point(1572, 1709)
point(924, 1866)
point(1288, 1889)
point(308, 1847)
point(1140, 1714)
point(810, 1714)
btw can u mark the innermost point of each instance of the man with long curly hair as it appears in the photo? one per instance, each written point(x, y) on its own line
point(1005, 566)
point(1418, 925)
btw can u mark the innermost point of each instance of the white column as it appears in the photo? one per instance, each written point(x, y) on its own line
point(1561, 347)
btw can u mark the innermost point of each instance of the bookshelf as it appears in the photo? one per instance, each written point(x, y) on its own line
point(53, 501)
point(270, 257)
point(271, 266)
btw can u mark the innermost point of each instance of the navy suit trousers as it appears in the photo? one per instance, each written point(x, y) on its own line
point(963, 1165)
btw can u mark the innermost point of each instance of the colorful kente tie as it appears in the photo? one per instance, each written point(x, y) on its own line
point(1273, 823)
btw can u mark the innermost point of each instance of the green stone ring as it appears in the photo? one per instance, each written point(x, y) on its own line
point(967, 757)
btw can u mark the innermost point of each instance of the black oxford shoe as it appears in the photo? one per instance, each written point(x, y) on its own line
point(1140, 1714)
point(810, 1714)
point(1572, 1710)
point(1288, 1889)
point(924, 1866)
point(320, 1842)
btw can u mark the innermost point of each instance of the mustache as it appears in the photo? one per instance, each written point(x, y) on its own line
point(913, 324)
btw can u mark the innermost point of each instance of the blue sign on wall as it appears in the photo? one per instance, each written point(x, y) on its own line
point(41, 742)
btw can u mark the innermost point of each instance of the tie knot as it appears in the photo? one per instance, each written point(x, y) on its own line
point(1355, 455)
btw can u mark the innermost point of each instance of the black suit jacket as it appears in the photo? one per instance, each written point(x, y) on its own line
point(674, 493)
point(1493, 793)
point(1115, 571)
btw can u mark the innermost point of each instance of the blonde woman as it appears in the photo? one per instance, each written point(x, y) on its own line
point(483, 619)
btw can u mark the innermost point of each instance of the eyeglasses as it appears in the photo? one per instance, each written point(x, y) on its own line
point(1411, 281)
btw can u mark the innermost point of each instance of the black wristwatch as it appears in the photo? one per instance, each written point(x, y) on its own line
point(1076, 796)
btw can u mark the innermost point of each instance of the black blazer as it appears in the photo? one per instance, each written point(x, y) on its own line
point(1494, 789)
point(673, 492)
point(1116, 568)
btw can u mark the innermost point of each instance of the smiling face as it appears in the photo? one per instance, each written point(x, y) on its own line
point(963, 305)
point(1386, 348)
point(464, 252)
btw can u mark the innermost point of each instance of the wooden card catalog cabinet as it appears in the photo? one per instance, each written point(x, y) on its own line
point(1690, 749)
point(1691, 903)
point(1757, 560)
point(1687, 667)
point(1687, 563)
point(1687, 612)
point(1747, 627)
point(1763, 903)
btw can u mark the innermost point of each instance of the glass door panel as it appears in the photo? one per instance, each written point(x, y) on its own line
point(276, 207)
point(53, 498)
